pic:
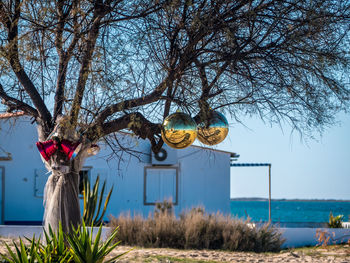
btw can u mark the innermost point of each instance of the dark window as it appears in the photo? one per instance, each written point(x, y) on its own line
point(85, 173)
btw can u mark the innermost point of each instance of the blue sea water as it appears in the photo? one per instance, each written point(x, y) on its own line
point(290, 211)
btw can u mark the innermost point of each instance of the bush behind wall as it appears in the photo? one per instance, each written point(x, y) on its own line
point(196, 230)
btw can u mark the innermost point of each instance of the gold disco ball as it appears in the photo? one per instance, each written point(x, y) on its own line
point(214, 130)
point(179, 130)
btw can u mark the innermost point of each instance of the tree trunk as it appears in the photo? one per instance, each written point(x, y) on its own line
point(62, 201)
point(61, 195)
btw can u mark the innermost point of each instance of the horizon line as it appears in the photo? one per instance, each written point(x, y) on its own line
point(286, 199)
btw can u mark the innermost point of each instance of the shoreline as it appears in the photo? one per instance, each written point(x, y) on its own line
point(260, 199)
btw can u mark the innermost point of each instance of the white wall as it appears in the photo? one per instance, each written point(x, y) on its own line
point(19, 140)
point(301, 237)
point(205, 179)
point(203, 175)
point(294, 237)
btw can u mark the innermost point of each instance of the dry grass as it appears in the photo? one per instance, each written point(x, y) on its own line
point(196, 230)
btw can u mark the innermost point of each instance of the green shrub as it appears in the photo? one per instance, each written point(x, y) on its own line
point(196, 229)
point(86, 250)
point(93, 202)
point(77, 246)
point(54, 249)
point(22, 253)
point(335, 221)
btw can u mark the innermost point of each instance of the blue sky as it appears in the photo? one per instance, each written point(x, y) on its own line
point(301, 168)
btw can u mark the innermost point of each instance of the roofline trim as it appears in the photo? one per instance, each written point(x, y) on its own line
point(233, 154)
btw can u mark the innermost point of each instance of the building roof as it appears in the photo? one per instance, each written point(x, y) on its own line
point(233, 154)
point(7, 115)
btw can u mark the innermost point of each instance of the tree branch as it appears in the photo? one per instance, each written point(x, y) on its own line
point(144, 13)
point(133, 121)
point(64, 56)
point(99, 12)
point(62, 65)
point(17, 104)
point(132, 103)
point(11, 24)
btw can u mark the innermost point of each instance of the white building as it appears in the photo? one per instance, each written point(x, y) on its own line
point(191, 177)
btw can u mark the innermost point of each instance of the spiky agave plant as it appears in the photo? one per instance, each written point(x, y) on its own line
point(22, 253)
point(54, 249)
point(93, 202)
point(85, 249)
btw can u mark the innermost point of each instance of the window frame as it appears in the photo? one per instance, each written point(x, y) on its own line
point(176, 168)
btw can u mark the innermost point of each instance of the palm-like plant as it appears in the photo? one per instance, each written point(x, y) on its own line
point(93, 202)
point(55, 249)
point(77, 246)
point(86, 250)
point(23, 253)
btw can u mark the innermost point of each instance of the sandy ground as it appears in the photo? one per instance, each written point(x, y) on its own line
point(338, 254)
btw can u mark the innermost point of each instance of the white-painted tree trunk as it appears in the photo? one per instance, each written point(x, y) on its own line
point(61, 201)
point(61, 195)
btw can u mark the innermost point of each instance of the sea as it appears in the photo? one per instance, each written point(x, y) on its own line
point(286, 211)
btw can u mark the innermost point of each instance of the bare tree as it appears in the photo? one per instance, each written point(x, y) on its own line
point(87, 69)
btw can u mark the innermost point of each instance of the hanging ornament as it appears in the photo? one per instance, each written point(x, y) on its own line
point(71, 149)
point(214, 130)
point(179, 130)
point(93, 150)
point(47, 148)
